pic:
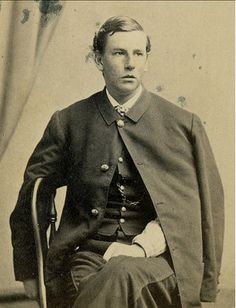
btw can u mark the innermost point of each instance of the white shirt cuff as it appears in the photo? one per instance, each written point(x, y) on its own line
point(152, 239)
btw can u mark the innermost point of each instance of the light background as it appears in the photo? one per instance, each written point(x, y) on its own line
point(192, 57)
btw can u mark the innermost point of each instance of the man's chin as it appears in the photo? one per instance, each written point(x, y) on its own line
point(128, 88)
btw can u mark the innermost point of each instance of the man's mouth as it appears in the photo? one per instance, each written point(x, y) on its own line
point(128, 77)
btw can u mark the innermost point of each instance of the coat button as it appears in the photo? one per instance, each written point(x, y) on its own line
point(94, 212)
point(120, 123)
point(120, 160)
point(122, 220)
point(104, 167)
point(123, 209)
point(122, 187)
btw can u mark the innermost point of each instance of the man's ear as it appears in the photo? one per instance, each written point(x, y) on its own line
point(98, 61)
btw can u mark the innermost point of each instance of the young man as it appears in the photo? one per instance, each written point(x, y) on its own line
point(142, 224)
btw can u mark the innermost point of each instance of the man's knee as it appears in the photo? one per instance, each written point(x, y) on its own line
point(122, 267)
point(118, 264)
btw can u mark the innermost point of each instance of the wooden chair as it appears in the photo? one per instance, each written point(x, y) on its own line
point(39, 244)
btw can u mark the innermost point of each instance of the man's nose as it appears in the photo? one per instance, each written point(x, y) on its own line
point(129, 63)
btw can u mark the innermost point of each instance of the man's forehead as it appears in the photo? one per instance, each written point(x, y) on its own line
point(127, 40)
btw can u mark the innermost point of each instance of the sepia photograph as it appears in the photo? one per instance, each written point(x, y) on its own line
point(117, 154)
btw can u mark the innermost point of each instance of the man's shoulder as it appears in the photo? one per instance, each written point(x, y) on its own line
point(82, 110)
point(82, 104)
point(167, 106)
point(169, 110)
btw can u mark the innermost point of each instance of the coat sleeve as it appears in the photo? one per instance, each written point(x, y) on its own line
point(212, 210)
point(48, 161)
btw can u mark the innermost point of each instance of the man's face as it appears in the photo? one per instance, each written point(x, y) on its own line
point(124, 62)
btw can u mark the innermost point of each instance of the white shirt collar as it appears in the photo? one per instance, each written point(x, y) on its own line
point(130, 103)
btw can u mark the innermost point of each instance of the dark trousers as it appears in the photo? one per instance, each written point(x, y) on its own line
point(122, 282)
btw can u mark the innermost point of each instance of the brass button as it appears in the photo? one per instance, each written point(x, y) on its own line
point(123, 209)
point(122, 187)
point(104, 167)
point(120, 160)
point(120, 123)
point(122, 220)
point(94, 212)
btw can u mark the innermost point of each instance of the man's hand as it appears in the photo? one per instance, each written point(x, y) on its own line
point(117, 249)
point(31, 288)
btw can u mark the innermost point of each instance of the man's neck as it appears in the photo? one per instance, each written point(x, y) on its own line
point(123, 98)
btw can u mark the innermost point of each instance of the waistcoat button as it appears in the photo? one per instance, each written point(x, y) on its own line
point(94, 212)
point(122, 220)
point(120, 160)
point(123, 209)
point(120, 123)
point(104, 167)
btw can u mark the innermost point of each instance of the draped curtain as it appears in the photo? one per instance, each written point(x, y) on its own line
point(26, 28)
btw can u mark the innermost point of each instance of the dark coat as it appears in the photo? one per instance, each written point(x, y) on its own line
point(172, 154)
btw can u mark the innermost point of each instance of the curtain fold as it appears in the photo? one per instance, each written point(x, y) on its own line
point(26, 28)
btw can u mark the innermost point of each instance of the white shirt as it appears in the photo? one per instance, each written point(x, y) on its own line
point(152, 239)
point(127, 105)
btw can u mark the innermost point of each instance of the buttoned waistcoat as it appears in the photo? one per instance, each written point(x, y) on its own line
point(171, 151)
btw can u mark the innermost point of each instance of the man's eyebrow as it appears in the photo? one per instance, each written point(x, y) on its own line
point(122, 49)
point(139, 50)
point(117, 48)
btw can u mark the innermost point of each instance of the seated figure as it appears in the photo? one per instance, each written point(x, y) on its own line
point(142, 223)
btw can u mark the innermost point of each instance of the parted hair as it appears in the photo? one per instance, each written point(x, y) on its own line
point(113, 25)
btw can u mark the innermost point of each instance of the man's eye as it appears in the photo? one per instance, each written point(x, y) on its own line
point(139, 53)
point(118, 53)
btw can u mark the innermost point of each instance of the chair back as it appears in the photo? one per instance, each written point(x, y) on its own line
point(39, 238)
